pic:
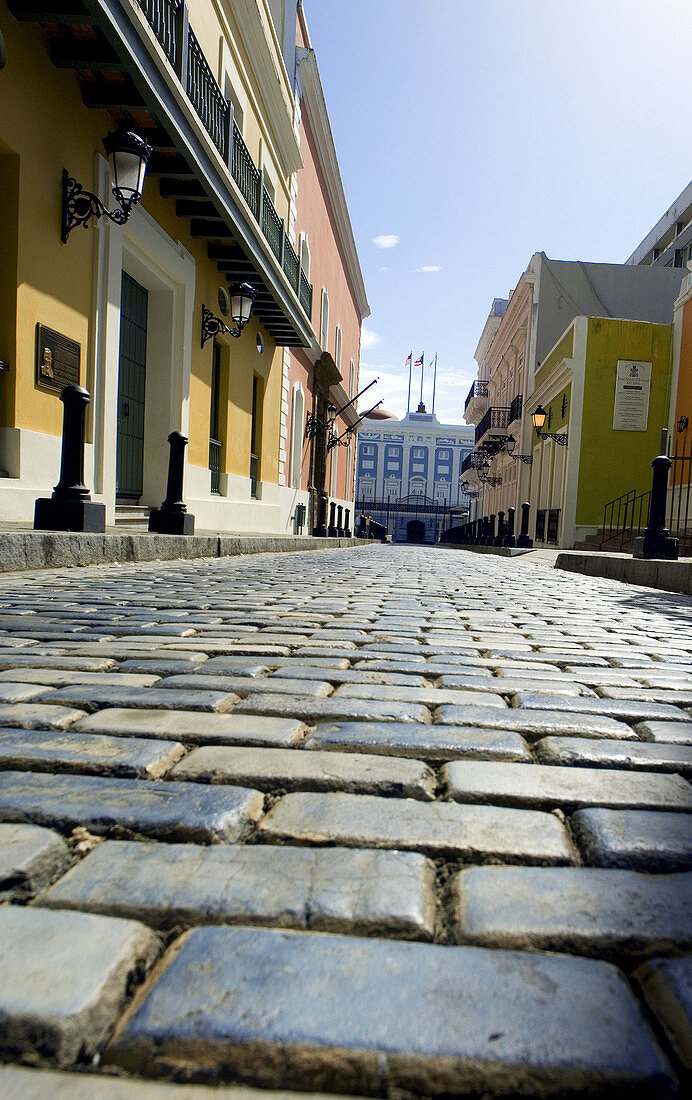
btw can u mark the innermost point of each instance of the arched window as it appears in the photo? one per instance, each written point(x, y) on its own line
point(297, 435)
point(305, 255)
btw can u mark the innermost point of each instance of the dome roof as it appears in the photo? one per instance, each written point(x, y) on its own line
point(380, 414)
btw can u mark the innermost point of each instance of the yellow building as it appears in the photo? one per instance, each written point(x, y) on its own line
point(118, 308)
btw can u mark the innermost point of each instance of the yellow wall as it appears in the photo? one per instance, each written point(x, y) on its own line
point(613, 462)
point(44, 127)
point(43, 122)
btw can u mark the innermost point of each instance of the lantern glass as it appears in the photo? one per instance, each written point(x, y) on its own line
point(242, 300)
point(538, 417)
point(510, 444)
point(128, 154)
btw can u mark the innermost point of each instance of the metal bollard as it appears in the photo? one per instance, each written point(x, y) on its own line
point(340, 521)
point(173, 518)
point(70, 508)
point(524, 541)
point(509, 539)
point(656, 541)
point(320, 529)
point(500, 529)
point(331, 530)
point(347, 523)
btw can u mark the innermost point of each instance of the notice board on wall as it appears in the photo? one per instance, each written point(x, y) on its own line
point(632, 392)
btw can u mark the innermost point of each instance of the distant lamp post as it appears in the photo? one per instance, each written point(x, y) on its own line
point(128, 154)
point(242, 299)
point(682, 424)
point(538, 419)
point(509, 447)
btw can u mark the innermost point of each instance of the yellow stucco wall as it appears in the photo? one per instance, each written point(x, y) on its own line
point(613, 462)
point(44, 127)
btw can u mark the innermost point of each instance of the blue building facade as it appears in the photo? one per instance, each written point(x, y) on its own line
point(408, 473)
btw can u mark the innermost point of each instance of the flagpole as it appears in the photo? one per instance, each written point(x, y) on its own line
point(410, 368)
point(434, 381)
point(422, 370)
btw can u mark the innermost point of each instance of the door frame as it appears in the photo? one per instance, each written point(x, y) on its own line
point(167, 270)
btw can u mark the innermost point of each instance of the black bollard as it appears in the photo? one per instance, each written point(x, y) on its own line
point(320, 529)
point(656, 541)
point(331, 530)
point(491, 530)
point(524, 541)
point(500, 529)
point(347, 523)
point(340, 521)
point(71, 508)
point(509, 539)
point(173, 518)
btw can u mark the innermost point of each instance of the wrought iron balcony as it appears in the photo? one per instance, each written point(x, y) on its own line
point(168, 21)
point(478, 389)
point(515, 408)
point(495, 420)
point(473, 461)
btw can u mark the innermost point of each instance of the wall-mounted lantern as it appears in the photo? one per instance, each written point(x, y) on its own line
point(682, 424)
point(128, 155)
point(241, 301)
point(538, 420)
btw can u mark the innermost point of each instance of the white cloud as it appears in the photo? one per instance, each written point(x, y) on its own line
point(428, 268)
point(386, 240)
point(368, 339)
point(384, 269)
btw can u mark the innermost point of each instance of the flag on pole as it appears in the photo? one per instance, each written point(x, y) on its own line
point(419, 361)
point(409, 361)
point(409, 357)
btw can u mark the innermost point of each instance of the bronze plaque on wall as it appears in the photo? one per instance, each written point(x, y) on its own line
point(57, 359)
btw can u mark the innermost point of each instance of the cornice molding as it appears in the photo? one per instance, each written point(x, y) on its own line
point(273, 84)
point(315, 107)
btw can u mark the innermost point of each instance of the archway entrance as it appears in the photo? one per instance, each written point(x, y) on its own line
point(415, 531)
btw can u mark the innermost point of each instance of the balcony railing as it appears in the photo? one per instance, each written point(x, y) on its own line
point(478, 389)
point(272, 225)
point(165, 17)
point(515, 408)
point(495, 419)
point(245, 174)
point(215, 464)
point(473, 461)
point(168, 21)
point(206, 96)
point(305, 294)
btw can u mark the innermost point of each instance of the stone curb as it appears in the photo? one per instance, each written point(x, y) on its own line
point(671, 576)
point(26, 550)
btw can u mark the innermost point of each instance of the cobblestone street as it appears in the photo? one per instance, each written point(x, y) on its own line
point(386, 821)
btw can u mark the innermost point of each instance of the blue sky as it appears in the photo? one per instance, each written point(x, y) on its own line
point(473, 133)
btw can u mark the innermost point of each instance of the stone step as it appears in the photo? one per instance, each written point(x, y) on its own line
point(131, 515)
point(376, 1017)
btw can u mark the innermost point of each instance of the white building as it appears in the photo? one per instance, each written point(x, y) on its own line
point(408, 474)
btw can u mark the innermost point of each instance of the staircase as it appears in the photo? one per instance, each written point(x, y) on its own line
point(132, 515)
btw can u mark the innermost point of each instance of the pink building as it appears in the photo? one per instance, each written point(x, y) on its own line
point(317, 382)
